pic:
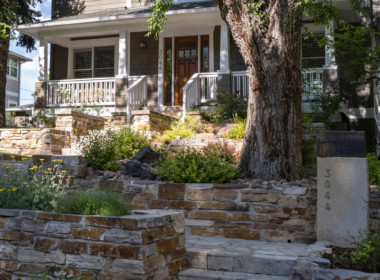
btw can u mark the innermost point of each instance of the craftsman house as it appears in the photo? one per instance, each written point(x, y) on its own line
point(101, 56)
point(12, 91)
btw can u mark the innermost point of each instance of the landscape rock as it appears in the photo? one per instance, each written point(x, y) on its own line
point(146, 155)
point(135, 169)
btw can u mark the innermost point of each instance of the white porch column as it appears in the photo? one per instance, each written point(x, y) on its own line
point(224, 49)
point(160, 71)
point(329, 56)
point(123, 59)
point(43, 69)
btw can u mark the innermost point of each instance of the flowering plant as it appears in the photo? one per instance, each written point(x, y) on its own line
point(38, 188)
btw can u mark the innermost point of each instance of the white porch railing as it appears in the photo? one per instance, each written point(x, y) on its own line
point(312, 83)
point(240, 83)
point(190, 94)
point(207, 83)
point(99, 91)
point(137, 95)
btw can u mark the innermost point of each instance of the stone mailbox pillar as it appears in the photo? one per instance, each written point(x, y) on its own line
point(342, 208)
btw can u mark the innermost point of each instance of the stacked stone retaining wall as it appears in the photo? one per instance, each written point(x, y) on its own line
point(78, 123)
point(258, 210)
point(146, 245)
point(150, 120)
point(31, 141)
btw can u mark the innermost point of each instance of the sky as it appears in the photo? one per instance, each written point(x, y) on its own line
point(29, 70)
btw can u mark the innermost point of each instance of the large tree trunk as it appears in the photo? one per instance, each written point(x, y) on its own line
point(4, 48)
point(271, 49)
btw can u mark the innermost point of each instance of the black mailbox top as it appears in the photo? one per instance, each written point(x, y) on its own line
point(341, 144)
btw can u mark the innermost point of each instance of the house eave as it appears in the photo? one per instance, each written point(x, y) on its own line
point(37, 29)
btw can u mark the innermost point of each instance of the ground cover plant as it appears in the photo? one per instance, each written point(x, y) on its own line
point(94, 202)
point(364, 257)
point(238, 130)
point(102, 149)
point(191, 166)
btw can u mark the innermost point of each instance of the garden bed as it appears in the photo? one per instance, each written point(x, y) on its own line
point(144, 245)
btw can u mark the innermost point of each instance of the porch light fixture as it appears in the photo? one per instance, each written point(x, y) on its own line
point(142, 45)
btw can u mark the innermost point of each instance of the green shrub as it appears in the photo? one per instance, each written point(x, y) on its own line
point(366, 255)
point(223, 151)
point(238, 130)
point(102, 149)
point(190, 166)
point(373, 169)
point(227, 105)
point(94, 203)
point(184, 129)
point(38, 189)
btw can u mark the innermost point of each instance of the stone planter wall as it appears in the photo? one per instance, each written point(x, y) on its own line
point(78, 123)
point(147, 245)
point(32, 141)
point(176, 145)
point(258, 210)
point(374, 211)
point(150, 121)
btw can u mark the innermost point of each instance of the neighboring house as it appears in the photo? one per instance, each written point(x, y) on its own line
point(101, 56)
point(12, 94)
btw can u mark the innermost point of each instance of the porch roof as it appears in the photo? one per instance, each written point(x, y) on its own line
point(108, 17)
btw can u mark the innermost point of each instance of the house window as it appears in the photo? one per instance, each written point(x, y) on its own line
point(205, 53)
point(94, 62)
point(313, 55)
point(12, 67)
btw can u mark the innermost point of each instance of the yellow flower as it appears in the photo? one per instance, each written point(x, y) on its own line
point(46, 172)
point(57, 160)
point(8, 190)
point(5, 176)
point(41, 159)
point(8, 167)
point(14, 189)
point(48, 168)
point(2, 190)
point(63, 171)
point(24, 158)
point(25, 183)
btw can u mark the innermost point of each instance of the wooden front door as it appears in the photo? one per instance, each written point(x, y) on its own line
point(186, 64)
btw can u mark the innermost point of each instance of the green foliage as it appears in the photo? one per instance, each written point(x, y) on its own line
point(40, 188)
point(47, 121)
point(103, 149)
point(94, 203)
point(46, 275)
point(190, 166)
point(10, 118)
point(366, 255)
point(353, 41)
point(158, 18)
point(184, 129)
point(238, 130)
point(223, 151)
point(373, 169)
point(4, 30)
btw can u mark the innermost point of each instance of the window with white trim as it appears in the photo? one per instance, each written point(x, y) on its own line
point(94, 62)
point(313, 55)
point(12, 67)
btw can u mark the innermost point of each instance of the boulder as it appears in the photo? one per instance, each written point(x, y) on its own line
point(146, 155)
point(135, 168)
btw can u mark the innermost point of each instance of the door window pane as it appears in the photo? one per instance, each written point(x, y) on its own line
point(205, 53)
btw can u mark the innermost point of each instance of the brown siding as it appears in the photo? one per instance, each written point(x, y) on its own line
point(217, 48)
point(145, 62)
point(236, 60)
point(58, 62)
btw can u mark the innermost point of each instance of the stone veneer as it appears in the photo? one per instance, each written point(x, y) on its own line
point(150, 120)
point(31, 141)
point(144, 245)
point(258, 210)
point(78, 123)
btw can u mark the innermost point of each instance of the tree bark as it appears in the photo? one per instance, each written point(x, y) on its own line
point(4, 49)
point(271, 50)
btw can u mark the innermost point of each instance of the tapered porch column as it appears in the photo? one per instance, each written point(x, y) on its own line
point(224, 73)
point(330, 70)
point(123, 54)
point(43, 70)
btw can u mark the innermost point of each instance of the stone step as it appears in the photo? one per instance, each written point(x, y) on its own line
point(202, 274)
point(254, 257)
